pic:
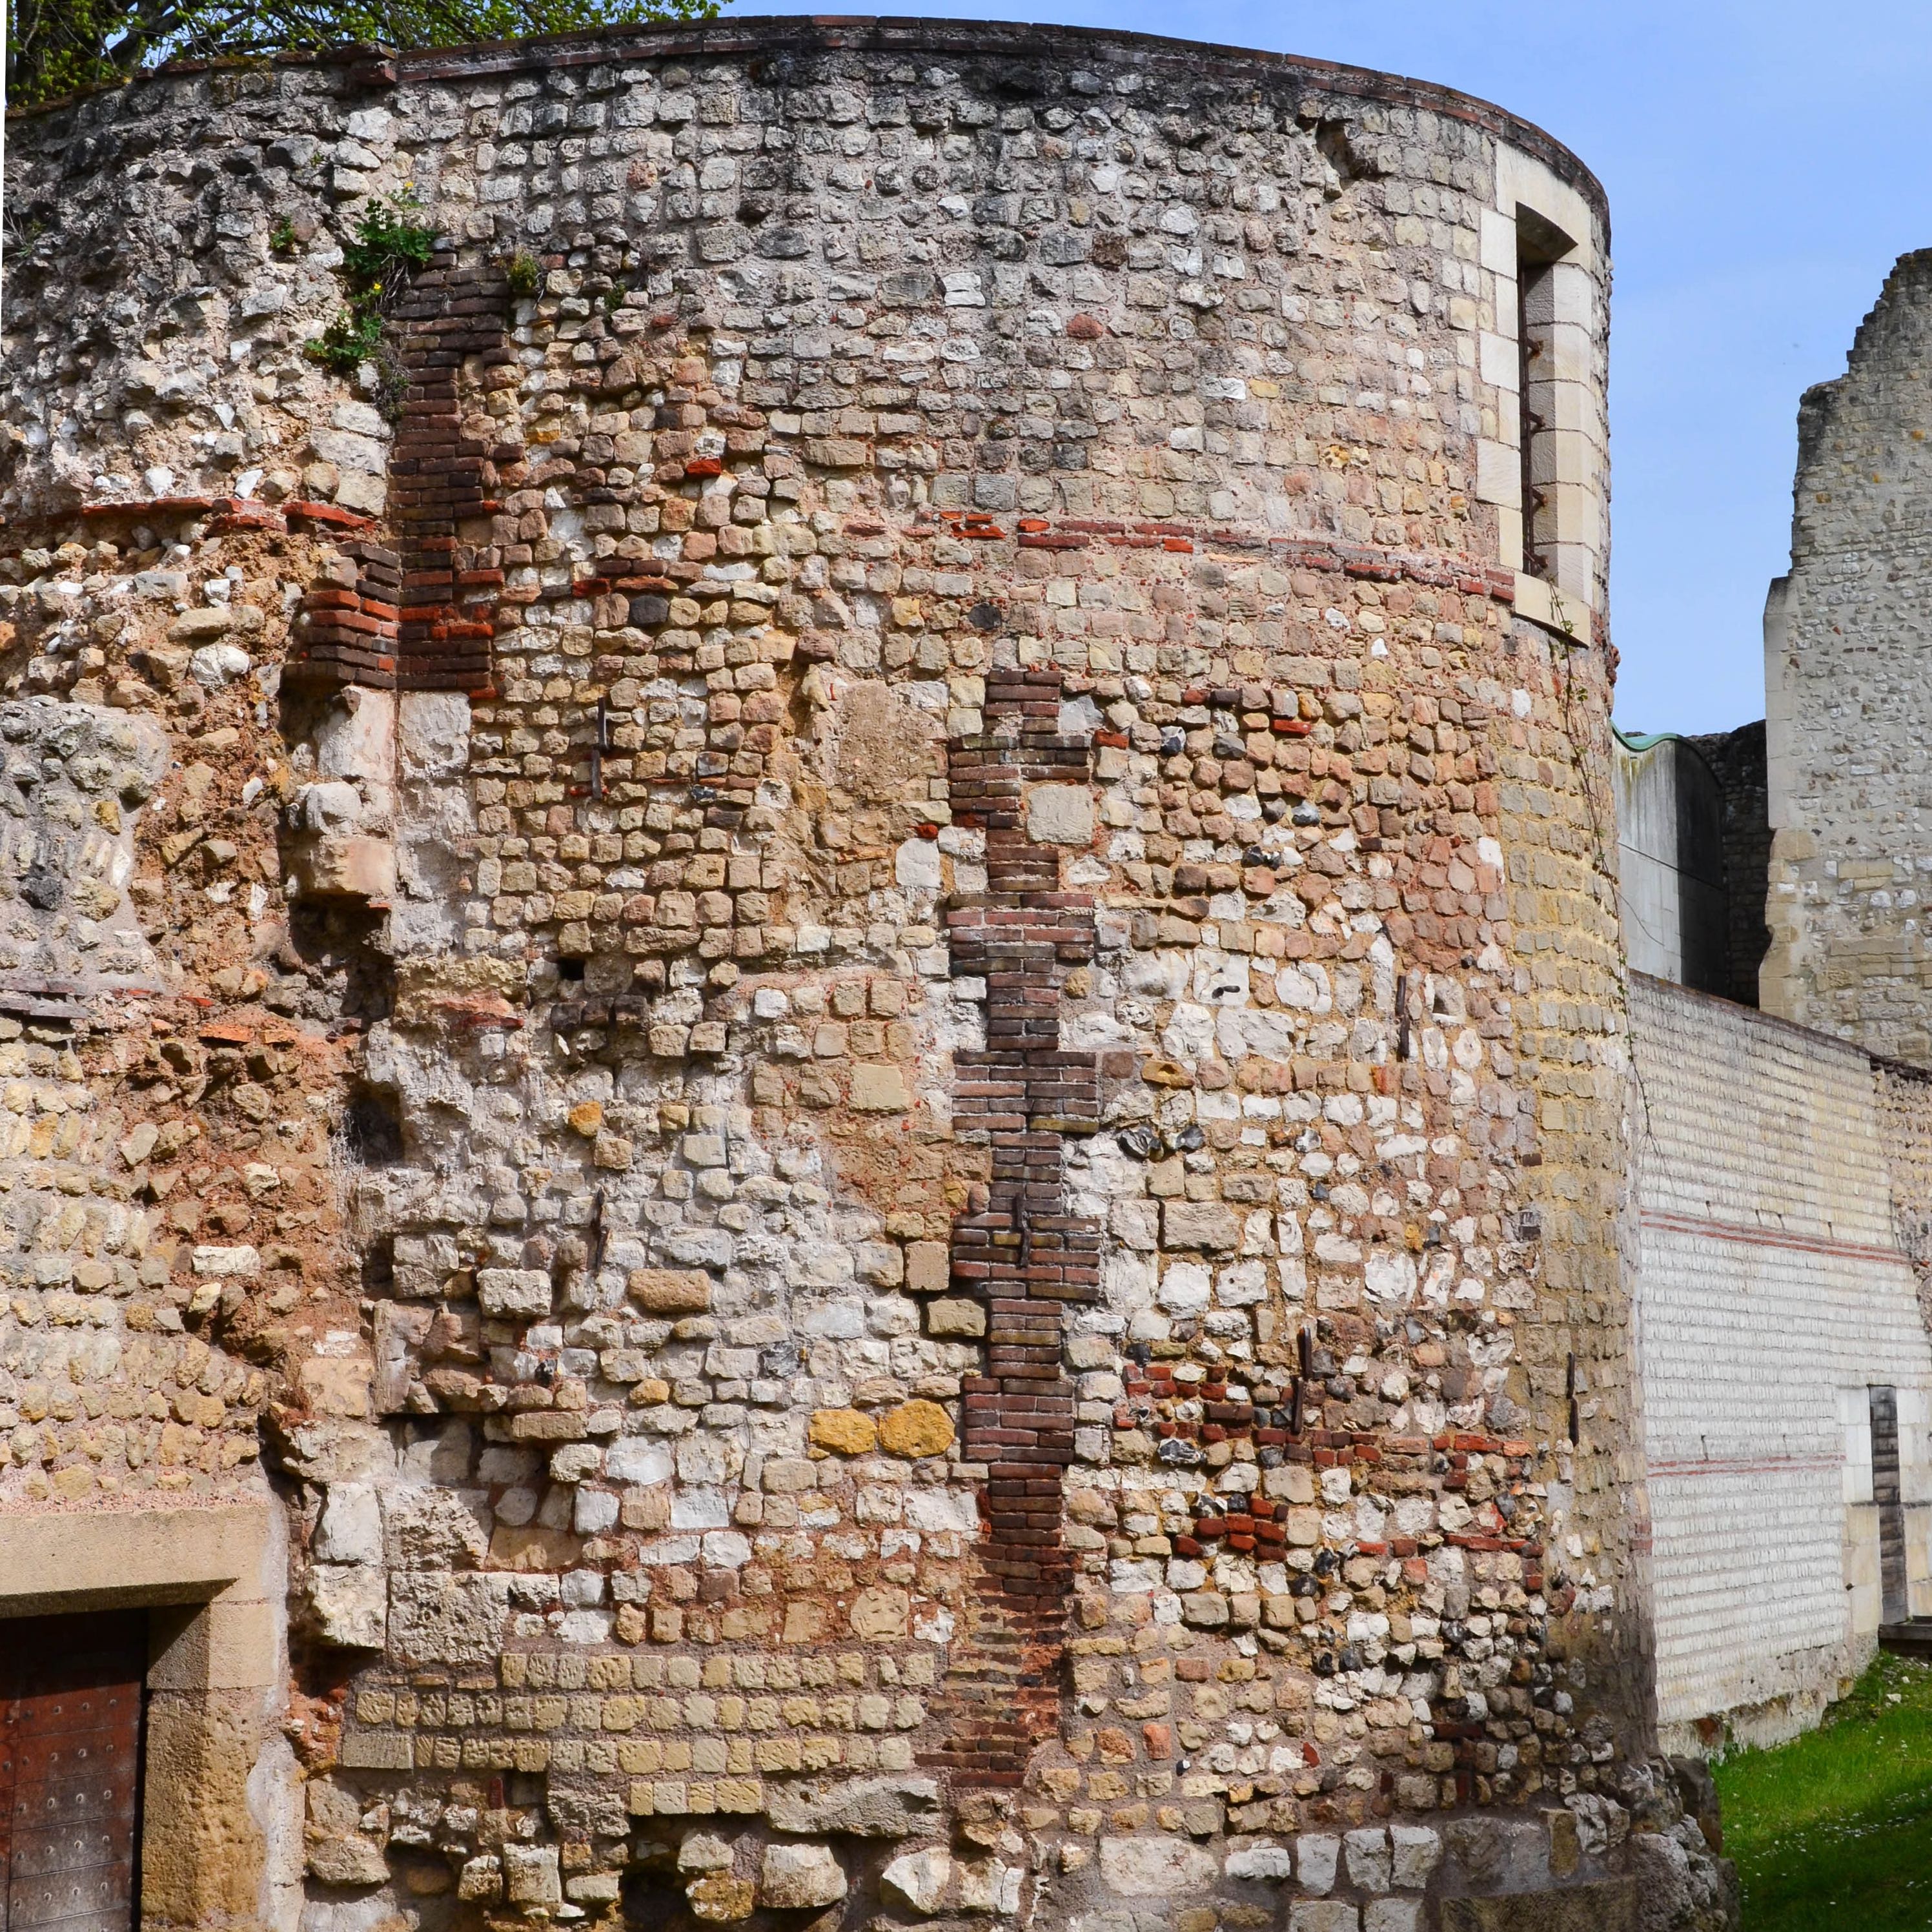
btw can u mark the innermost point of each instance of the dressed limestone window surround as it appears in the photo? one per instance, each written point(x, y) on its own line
point(1543, 461)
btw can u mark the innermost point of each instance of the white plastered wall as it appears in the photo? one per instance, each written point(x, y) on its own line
point(1574, 460)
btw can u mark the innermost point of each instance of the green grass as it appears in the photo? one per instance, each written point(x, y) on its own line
point(1833, 1830)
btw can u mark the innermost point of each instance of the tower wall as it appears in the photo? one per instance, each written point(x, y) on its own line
point(883, 1018)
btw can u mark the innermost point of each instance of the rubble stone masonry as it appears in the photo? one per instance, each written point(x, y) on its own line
point(847, 988)
point(1844, 658)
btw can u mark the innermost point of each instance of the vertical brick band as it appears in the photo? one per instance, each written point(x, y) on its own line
point(421, 616)
point(1017, 1249)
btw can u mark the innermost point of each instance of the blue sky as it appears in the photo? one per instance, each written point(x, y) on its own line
point(1765, 164)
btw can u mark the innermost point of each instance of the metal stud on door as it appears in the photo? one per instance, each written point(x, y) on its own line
point(71, 1711)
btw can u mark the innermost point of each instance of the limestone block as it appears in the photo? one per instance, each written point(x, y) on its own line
point(349, 1605)
point(918, 1880)
point(1157, 1867)
point(1608, 1905)
point(337, 1386)
point(721, 1899)
point(1317, 1855)
point(845, 1431)
point(1415, 1850)
point(915, 1430)
point(869, 1807)
point(1271, 1863)
point(1323, 1915)
point(513, 1293)
point(1209, 1225)
point(223, 1264)
point(1059, 814)
point(928, 1266)
point(951, 1318)
point(443, 1618)
point(350, 1530)
point(795, 1878)
point(198, 626)
point(480, 1878)
point(880, 1087)
point(1392, 1914)
point(530, 1875)
point(347, 1861)
point(1368, 1859)
point(880, 1613)
point(671, 1290)
point(329, 865)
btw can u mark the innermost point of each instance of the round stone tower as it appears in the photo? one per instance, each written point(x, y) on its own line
point(869, 1043)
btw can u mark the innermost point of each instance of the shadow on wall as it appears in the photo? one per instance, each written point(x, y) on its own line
point(1693, 843)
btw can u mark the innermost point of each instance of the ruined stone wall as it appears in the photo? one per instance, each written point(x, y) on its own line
point(1778, 1276)
point(1845, 659)
point(895, 1063)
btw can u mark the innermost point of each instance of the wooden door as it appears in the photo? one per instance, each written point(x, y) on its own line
point(70, 1710)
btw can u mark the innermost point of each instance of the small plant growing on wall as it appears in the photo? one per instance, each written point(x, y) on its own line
point(523, 273)
point(388, 244)
point(282, 237)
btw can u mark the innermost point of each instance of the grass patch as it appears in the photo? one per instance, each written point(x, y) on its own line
point(1835, 1829)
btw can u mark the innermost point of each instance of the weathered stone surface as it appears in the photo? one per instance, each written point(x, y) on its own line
point(907, 949)
point(846, 1431)
point(1060, 815)
point(794, 1878)
point(872, 1808)
point(347, 1861)
point(1156, 1868)
point(918, 1880)
point(1605, 1905)
point(720, 1899)
point(916, 1429)
point(530, 1875)
point(671, 1290)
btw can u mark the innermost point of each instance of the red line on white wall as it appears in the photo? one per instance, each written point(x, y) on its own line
point(1768, 1237)
point(1745, 1465)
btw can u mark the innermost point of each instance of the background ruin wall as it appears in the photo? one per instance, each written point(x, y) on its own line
point(1844, 675)
point(845, 987)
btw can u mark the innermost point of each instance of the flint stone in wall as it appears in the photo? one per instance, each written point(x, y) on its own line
point(448, 1619)
point(876, 1808)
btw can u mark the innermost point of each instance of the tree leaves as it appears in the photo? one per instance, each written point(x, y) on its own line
point(58, 46)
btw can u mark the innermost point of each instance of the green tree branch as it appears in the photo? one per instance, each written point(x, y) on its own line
point(57, 46)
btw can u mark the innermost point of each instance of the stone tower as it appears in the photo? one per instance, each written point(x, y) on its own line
point(815, 1036)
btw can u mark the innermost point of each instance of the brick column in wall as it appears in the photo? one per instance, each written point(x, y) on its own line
point(420, 613)
point(1017, 1249)
point(440, 478)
